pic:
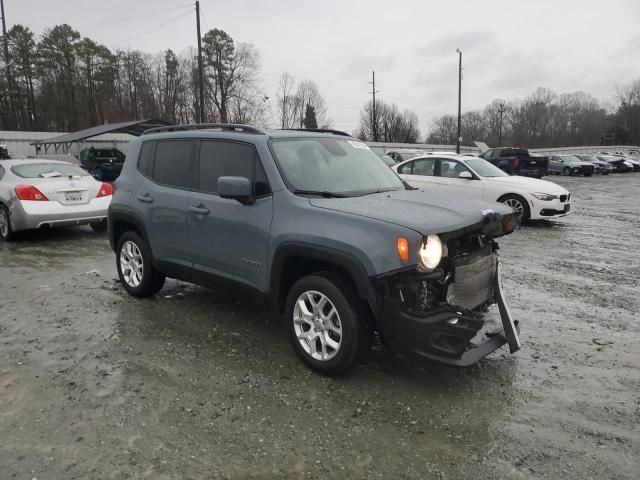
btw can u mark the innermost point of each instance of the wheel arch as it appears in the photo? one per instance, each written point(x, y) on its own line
point(293, 260)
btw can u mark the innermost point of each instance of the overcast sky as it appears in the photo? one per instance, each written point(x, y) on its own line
point(509, 47)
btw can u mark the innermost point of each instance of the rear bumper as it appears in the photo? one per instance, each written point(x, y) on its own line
point(450, 335)
point(26, 215)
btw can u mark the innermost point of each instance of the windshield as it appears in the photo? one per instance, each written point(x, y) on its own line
point(406, 156)
point(570, 158)
point(485, 169)
point(388, 160)
point(333, 165)
point(589, 158)
point(47, 170)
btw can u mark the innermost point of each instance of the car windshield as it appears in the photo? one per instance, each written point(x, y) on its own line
point(47, 170)
point(484, 168)
point(332, 165)
point(408, 155)
point(589, 158)
point(388, 160)
point(570, 158)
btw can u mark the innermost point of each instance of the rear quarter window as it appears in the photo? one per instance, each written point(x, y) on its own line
point(145, 159)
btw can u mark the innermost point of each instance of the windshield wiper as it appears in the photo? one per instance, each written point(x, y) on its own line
point(324, 193)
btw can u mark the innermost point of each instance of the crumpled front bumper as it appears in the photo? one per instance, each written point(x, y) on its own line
point(450, 334)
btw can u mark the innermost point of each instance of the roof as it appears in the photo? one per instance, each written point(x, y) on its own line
point(135, 128)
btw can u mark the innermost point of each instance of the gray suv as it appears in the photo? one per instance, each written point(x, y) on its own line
point(316, 226)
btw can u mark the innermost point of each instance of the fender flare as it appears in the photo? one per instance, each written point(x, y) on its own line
point(339, 258)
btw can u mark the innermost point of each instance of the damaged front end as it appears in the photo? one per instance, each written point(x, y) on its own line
point(450, 314)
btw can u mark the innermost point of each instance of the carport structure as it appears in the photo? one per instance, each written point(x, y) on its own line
point(64, 142)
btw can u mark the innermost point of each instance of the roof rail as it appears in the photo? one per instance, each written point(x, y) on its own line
point(232, 127)
point(318, 130)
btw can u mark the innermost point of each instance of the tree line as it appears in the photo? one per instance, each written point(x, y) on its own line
point(547, 119)
point(62, 81)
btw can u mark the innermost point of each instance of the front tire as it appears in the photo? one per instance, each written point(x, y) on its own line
point(566, 172)
point(519, 206)
point(329, 325)
point(133, 261)
point(6, 232)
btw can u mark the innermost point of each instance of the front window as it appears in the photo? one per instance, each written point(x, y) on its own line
point(332, 165)
point(48, 170)
point(485, 169)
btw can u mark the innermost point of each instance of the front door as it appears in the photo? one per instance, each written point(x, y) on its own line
point(230, 240)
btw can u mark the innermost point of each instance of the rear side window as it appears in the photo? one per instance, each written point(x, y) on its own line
point(173, 164)
point(424, 167)
point(145, 160)
point(230, 159)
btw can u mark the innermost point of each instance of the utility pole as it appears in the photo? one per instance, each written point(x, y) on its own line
point(374, 120)
point(200, 72)
point(6, 59)
point(501, 111)
point(459, 97)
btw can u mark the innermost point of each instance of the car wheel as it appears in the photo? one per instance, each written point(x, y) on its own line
point(329, 325)
point(566, 172)
point(518, 205)
point(6, 232)
point(100, 226)
point(133, 261)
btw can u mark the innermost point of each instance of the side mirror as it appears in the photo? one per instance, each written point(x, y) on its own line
point(236, 188)
point(466, 175)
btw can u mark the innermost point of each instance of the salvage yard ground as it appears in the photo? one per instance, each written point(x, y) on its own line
point(95, 384)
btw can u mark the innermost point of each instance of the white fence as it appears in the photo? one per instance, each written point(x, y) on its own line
point(20, 142)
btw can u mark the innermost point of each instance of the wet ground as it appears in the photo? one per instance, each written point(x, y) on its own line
point(189, 385)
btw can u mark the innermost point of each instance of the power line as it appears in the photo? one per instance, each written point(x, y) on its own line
point(121, 20)
point(156, 28)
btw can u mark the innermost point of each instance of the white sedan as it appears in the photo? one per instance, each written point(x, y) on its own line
point(476, 178)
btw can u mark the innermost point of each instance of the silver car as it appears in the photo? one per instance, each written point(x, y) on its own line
point(46, 193)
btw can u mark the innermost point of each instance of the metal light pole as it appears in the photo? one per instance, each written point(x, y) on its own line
point(501, 110)
point(200, 70)
point(459, 96)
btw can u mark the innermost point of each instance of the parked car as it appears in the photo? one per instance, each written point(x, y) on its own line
point(4, 153)
point(401, 155)
point(530, 198)
point(319, 228)
point(635, 164)
point(618, 164)
point(599, 166)
point(102, 163)
point(390, 162)
point(48, 193)
point(570, 165)
point(517, 161)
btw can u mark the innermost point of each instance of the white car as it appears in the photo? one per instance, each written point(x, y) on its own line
point(530, 198)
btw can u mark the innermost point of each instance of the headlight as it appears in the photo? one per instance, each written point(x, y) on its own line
point(430, 253)
point(544, 196)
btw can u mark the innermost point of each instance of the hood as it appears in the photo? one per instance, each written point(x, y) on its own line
point(579, 163)
point(426, 213)
point(527, 184)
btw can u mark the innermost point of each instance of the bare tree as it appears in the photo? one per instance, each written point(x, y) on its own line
point(392, 125)
point(286, 100)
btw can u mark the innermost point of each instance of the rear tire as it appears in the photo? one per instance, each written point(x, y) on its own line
point(6, 232)
point(100, 226)
point(519, 206)
point(133, 261)
point(329, 325)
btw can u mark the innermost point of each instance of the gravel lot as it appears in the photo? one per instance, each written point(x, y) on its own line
point(94, 384)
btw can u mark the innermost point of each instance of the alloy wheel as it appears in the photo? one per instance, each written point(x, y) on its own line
point(516, 206)
point(317, 325)
point(131, 264)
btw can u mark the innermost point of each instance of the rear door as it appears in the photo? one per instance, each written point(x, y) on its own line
point(230, 240)
point(450, 183)
point(420, 174)
point(160, 202)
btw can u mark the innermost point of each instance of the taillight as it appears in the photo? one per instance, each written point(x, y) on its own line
point(105, 190)
point(516, 163)
point(548, 164)
point(29, 192)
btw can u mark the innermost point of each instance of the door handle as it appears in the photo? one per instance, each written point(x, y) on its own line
point(200, 210)
point(146, 198)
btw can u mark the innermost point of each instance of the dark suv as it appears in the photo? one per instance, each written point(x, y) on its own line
point(316, 226)
point(102, 163)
